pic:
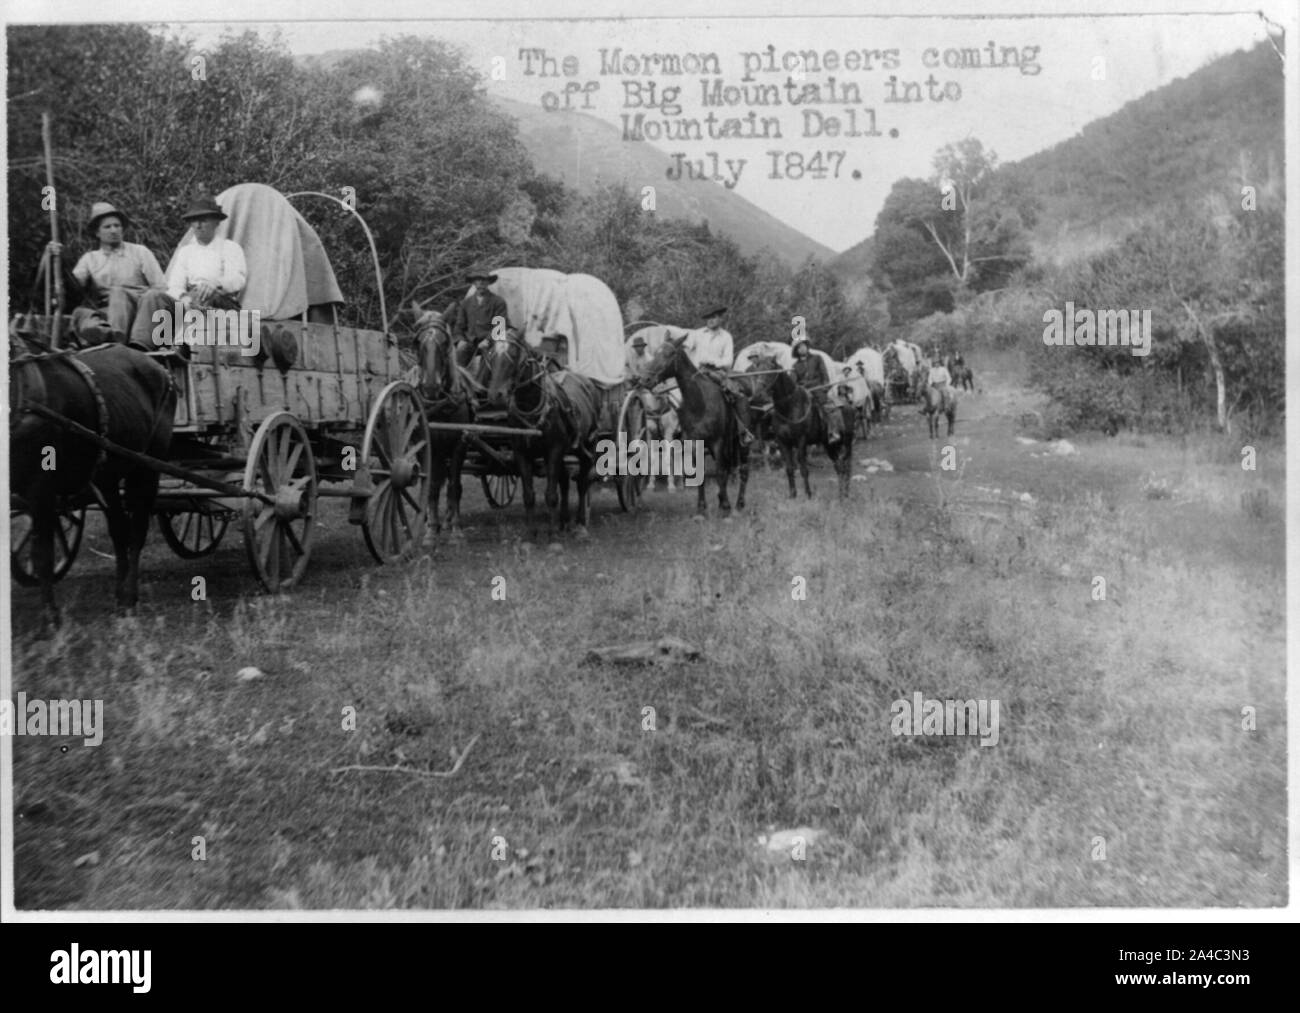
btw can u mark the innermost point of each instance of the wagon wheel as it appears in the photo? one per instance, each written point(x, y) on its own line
point(632, 425)
point(499, 489)
point(399, 455)
point(278, 534)
point(193, 534)
point(67, 540)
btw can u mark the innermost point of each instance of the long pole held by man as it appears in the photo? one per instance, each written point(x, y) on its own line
point(56, 260)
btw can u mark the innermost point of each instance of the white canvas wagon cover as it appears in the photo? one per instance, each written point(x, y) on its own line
point(856, 383)
point(873, 364)
point(784, 357)
point(579, 306)
point(287, 266)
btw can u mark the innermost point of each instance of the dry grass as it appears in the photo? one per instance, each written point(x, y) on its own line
point(1120, 719)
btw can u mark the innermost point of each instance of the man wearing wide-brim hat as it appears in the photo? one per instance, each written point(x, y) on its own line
point(635, 360)
point(810, 373)
point(123, 282)
point(475, 318)
point(712, 350)
point(211, 271)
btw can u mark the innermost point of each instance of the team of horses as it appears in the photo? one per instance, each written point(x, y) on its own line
point(127, 398)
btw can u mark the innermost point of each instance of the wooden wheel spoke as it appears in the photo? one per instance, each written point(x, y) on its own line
point(406, 495)
point(294, 458)
point(282, 444)
point(269, 551)
point(410, 422)
point(292, 536)
point(189, 521)
point(63, 540)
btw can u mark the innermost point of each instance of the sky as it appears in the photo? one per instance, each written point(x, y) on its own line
point(1087, 67)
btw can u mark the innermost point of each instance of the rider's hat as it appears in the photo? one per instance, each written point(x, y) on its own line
point(794, 345)
point(204, 207)
point(481, 272)
point(638, 342)
point(717, 311)
point(102, 209)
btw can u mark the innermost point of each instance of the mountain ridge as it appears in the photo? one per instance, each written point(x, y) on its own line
point(584, 152)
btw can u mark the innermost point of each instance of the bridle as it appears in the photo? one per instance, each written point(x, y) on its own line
point(440, 393)
point(768, 388)
point(537, 376)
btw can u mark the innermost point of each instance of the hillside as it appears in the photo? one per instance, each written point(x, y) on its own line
point(854, 262)
point(584, 152)
point(1201, 133)
point(1197, 134)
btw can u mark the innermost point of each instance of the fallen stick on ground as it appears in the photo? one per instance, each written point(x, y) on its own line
point(398, 769)
point(666, 650)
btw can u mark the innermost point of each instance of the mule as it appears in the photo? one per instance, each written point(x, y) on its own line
point(936, 403)
point(565, 406)
point(706, 414)
point(129, 399)
point(447, 398)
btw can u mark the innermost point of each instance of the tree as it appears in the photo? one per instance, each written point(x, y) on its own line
point(965, 230)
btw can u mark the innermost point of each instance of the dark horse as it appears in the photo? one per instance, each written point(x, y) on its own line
point(961, 374)
point(565, 406)
point(446, 396)
point(117, 392)
point(939, 403)
point(797, 421)
point(705, 415)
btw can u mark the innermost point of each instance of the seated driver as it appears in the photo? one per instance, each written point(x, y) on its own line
point(209, 272)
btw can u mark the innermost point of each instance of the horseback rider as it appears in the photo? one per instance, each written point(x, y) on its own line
point(711, 350)
point(474, 318)
point(810, 373)
point(939, 379)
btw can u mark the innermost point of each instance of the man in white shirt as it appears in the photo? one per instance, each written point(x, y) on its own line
point(939, 380)
point(712, 351)
point(710, 345)
point(208, 272)
point(123, 284)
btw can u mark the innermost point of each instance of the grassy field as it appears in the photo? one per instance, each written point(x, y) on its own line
point(1122, 774)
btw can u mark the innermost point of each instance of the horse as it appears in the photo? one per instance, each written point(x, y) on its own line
point(797, 421)
point(446, 395)
point(705, 414)
point(564, 405)
point(788, 418)
point(961, 374)
point(939, 402)
point(126, 397)
point(660, 408)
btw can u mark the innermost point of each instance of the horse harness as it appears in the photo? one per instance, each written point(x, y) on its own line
point(26, 405)
point(29, 407)
point(453, 395)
